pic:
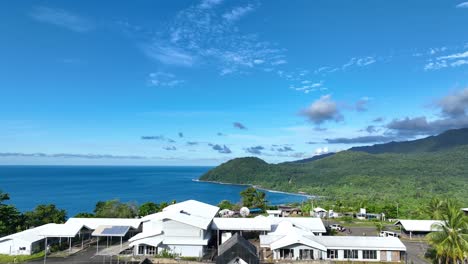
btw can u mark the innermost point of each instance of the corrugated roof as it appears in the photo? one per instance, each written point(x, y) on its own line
point(190, 212)
point(313, 224)
point(420, 225)
point(93, 223)
point(360, 242)
point(244, 224)
point(62, 230)
point(31, 235)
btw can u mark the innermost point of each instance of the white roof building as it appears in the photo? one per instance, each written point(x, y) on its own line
point(183, 228)
point(421, 226)
point(361, 242)
point(241, 224)
point(94, 223)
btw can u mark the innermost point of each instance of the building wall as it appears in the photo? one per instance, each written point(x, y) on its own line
point(185, 250)
point(380, 254)
point(297, 248)
point(176, 229)
point(12, 247)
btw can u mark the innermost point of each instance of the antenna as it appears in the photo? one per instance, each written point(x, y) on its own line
point(244, 211)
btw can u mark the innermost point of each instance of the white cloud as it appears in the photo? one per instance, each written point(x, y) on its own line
point(308, 86)
point(459, 63)
point(238, 12)
point(202, 36)
point(207, 4)
point(463, 5)
point(460, 55)
point(452, 60)
point(322, 110)
point(169, 55)
point(164, 79)
point(62, 18)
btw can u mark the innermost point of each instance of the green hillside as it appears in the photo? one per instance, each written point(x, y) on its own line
point(407, 179)
point(448, 139)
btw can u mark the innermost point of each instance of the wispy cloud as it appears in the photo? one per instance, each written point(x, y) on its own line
point(221, 149)
point(238, 12)
point(62, 18)
point(158, 138)
point(451, 60)
point(170, 148)
point(70, 155)
point(164, 79)
point(202, 36)
point(362, 104)
point(307, 86)
point(239, 125)
point(462, 5)
point(207, 4)
point(256, 150)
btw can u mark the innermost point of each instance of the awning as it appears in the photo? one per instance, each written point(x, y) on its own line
point(111, 231)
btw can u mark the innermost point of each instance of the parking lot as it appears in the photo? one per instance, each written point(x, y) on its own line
point(84, 256)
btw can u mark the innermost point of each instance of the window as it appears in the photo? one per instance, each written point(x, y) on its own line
point(306, 254)
point(332, 253)
point(150, 250)
point(350, 254)
point(286, 253)
point(141, 250)
point(369, 254)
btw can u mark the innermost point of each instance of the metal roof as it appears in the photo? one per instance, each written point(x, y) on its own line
point(244, 224)
point(313, 224)
point(31, 235)
point(93, 223)
point(420, 225)
point(189, 212)
point(111, 231)
point(360, 242)
point(62, 230)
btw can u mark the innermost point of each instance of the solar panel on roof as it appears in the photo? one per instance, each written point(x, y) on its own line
point(115, 230)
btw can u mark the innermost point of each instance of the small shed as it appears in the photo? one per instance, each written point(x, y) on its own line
point(237, 250)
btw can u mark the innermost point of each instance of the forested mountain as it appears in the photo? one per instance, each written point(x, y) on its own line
point(446, 140)
point(420, 170)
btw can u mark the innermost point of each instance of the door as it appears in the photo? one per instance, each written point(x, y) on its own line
point(389, 255)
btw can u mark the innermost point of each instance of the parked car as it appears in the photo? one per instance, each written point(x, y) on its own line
point(388, 234)
point(337, 227)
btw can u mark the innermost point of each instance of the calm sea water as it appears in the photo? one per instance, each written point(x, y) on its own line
point(78, 188)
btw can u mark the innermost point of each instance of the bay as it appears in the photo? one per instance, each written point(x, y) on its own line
point(78, 188)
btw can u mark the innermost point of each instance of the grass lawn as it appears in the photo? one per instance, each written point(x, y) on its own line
point(22, 258)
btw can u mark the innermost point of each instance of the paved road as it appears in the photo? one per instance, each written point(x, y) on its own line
point(415, 251)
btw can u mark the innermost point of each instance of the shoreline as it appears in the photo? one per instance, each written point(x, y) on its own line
point(308, 196)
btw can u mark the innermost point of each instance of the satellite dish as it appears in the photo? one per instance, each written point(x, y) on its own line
point(244, 211)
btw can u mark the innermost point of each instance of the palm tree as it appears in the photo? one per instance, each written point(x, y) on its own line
point(435, 209)
point(450, 241)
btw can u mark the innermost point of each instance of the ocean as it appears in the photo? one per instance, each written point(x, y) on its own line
point(78, 188)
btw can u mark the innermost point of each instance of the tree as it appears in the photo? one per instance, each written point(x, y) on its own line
point(251, 197)
point(45, 214)
point(115, 209)
point(450, 241)
point(225, 204)
point(84, 215)
point(435, 209)
point(10, 217)
point(148, 208)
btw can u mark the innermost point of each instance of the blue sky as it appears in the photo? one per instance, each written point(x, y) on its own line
point(202, 82)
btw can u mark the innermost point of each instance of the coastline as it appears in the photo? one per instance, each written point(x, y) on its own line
point(308, 196)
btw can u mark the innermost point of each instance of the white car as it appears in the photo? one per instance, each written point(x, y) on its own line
point(337, 227)
point(388, 234)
